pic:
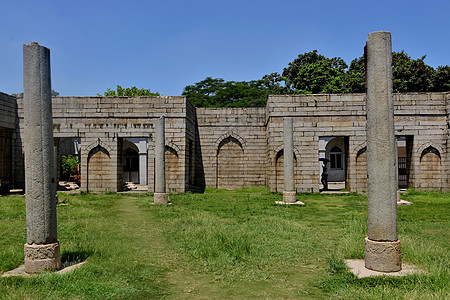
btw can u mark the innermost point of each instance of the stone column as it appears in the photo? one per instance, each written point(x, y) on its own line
point(42, 247)
point(382, 248)
point(160, 195)
point(143, 148)
point(288, 153)
point(143, 168)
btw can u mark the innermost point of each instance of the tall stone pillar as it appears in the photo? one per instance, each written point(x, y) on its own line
point(289, 180)
point(42, 247)
point(160, 195)
point(382, 248)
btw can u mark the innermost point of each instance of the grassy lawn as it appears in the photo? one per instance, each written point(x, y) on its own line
point(226, 245)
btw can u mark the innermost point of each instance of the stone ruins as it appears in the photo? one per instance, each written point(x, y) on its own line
point(115, 140)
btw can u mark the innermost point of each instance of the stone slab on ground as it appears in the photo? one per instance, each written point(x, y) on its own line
point(334, 192)
point(138, 189)
point(65, 268)
point(403, 202)
point(16, 191)
point(289, 203)
point(357, 267)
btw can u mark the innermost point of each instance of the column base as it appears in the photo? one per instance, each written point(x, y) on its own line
point(289, 197)
point(383, 256)
point(160, 198)
point(43, 257)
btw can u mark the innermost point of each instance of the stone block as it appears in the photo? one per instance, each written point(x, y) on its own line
point(383, 256)
point(42, 257)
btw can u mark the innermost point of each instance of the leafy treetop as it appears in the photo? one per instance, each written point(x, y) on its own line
point(313, 73)
point(128, 92)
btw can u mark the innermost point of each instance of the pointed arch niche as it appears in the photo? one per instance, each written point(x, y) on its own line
point(99, 170)
point(172, 168)
point(430, 169)
point(230, 167)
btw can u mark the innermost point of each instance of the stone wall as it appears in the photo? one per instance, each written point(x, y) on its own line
point(422, 118)
point(102, 123)
point(314, 116)
point(233, 146)
point(8, 111)
point(242, 147)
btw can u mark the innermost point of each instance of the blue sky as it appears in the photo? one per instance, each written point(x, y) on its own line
point(166, 45)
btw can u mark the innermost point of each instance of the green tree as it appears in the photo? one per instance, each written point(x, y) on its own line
point(129, 92)
point(441, 80)
point(355, 77)
point(216, 92)
point(313, 73)
point(411, 75)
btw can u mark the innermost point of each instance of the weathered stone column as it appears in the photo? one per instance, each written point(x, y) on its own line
point(160, 195)
point(42, 247)
point(382, 248)
point(288, 153)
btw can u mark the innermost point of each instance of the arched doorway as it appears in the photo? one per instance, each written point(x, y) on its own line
point(172, 169)
point(361, 170)
point(335, 153)
point(430, 169)
point(230, 171)
point(99, 170)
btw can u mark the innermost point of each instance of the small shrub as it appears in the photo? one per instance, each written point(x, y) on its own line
point(67, 163)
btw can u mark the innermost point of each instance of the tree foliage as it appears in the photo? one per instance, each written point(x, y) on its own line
point(67, 164)
point(442, 79)
point(411, 75)
point(129, 92)
point(313, 73)
point(216, 92)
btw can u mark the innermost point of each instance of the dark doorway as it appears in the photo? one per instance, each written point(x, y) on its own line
point(131, 166)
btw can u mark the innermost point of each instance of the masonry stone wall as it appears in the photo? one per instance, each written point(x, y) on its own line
point(104, 122)
point(233, 146)
point(241, 147)
point(421, 117)
point(8, 111)
point(314, 116)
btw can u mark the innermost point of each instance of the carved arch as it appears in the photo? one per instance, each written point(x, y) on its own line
point(360, 149)
point(281, 147)
point(422, 147)
point(360, 152)
point(231, 134)
point(99, 143)
point(172, 145)
point(230, 162)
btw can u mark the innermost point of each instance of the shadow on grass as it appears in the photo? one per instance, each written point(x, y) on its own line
point(75, 256)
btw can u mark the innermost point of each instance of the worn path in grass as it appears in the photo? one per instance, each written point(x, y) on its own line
point(145, 235)
point(184, 281)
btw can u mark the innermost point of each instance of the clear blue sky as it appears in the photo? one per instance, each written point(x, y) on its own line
point(167, 44)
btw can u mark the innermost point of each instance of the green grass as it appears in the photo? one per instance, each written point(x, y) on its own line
point(226, 244)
